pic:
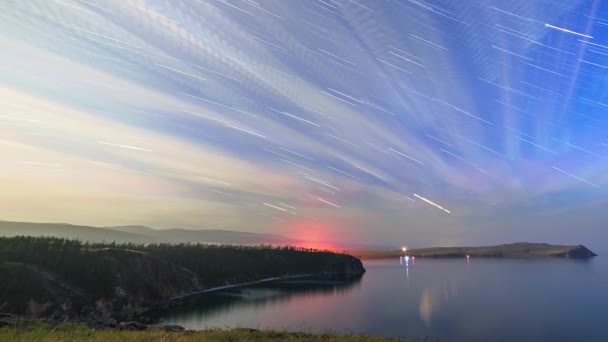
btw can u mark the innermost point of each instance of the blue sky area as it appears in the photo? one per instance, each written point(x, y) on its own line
point(385, 122)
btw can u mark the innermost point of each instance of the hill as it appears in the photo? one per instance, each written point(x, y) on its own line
point(146, 235)
point(177, 235)
point(512, 250)
point(69, 231)
point(67, 279)
point(137, 234)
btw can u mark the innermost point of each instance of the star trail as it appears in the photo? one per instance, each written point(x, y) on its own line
point(360, 117)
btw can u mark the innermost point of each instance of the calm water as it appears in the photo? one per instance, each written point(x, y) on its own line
point(482, 300)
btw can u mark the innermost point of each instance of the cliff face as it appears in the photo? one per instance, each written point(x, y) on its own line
point(28, 290)
point(142, 278)
point(135, 280)
point(343, 267)
point(578, 252)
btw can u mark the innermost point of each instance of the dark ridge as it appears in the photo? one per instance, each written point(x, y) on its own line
point(62, 279)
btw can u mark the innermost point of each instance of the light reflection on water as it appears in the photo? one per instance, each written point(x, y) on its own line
point(455, 299)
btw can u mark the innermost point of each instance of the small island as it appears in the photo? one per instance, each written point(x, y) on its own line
point(520, 250)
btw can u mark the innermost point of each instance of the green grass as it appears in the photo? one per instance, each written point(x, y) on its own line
point(71, 332)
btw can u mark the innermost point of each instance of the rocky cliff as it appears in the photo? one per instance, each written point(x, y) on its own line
point(344, 268)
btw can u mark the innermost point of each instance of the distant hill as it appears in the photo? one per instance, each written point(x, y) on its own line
point(512, 250)
point(143, 230)
point(177, 235)
point(138, 234)
point(64, 230)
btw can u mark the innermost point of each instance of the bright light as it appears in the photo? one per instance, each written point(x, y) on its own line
point(407, 257)
point(403, 249)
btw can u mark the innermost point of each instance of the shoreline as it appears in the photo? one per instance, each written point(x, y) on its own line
point(239, 285)
point(150, 314)
point(148, 319)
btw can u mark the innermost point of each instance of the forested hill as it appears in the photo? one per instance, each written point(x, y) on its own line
point(59, 278)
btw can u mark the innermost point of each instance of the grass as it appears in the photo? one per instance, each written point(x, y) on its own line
point(71, 332)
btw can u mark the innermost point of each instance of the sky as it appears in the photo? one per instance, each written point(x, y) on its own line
point(391, 122)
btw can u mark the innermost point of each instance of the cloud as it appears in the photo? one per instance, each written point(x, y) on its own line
point(204, 114)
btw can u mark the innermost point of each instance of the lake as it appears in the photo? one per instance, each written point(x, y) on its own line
point(451, 299)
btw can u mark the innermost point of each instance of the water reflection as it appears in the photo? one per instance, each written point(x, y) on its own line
point(199, 309)
point(450, 299)
point(426, 306)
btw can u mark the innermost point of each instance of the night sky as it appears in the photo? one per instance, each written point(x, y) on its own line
point(382, 122)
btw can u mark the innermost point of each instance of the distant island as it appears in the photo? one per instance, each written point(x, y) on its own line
point(520, 250)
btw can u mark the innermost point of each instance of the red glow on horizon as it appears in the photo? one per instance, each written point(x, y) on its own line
point(320, 245)
point(312, 234)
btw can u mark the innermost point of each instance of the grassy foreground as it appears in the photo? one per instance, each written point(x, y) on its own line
point(71, 332)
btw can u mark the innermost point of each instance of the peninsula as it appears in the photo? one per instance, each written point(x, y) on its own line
point(102, 285)
point(520, 250)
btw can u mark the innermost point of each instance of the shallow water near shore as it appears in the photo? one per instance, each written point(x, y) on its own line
point(450, 299)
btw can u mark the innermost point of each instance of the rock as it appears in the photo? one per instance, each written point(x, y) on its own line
point(95, 326)
point(110, 322)
point(52, 322)
point(173, 327)
point(132, 326)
